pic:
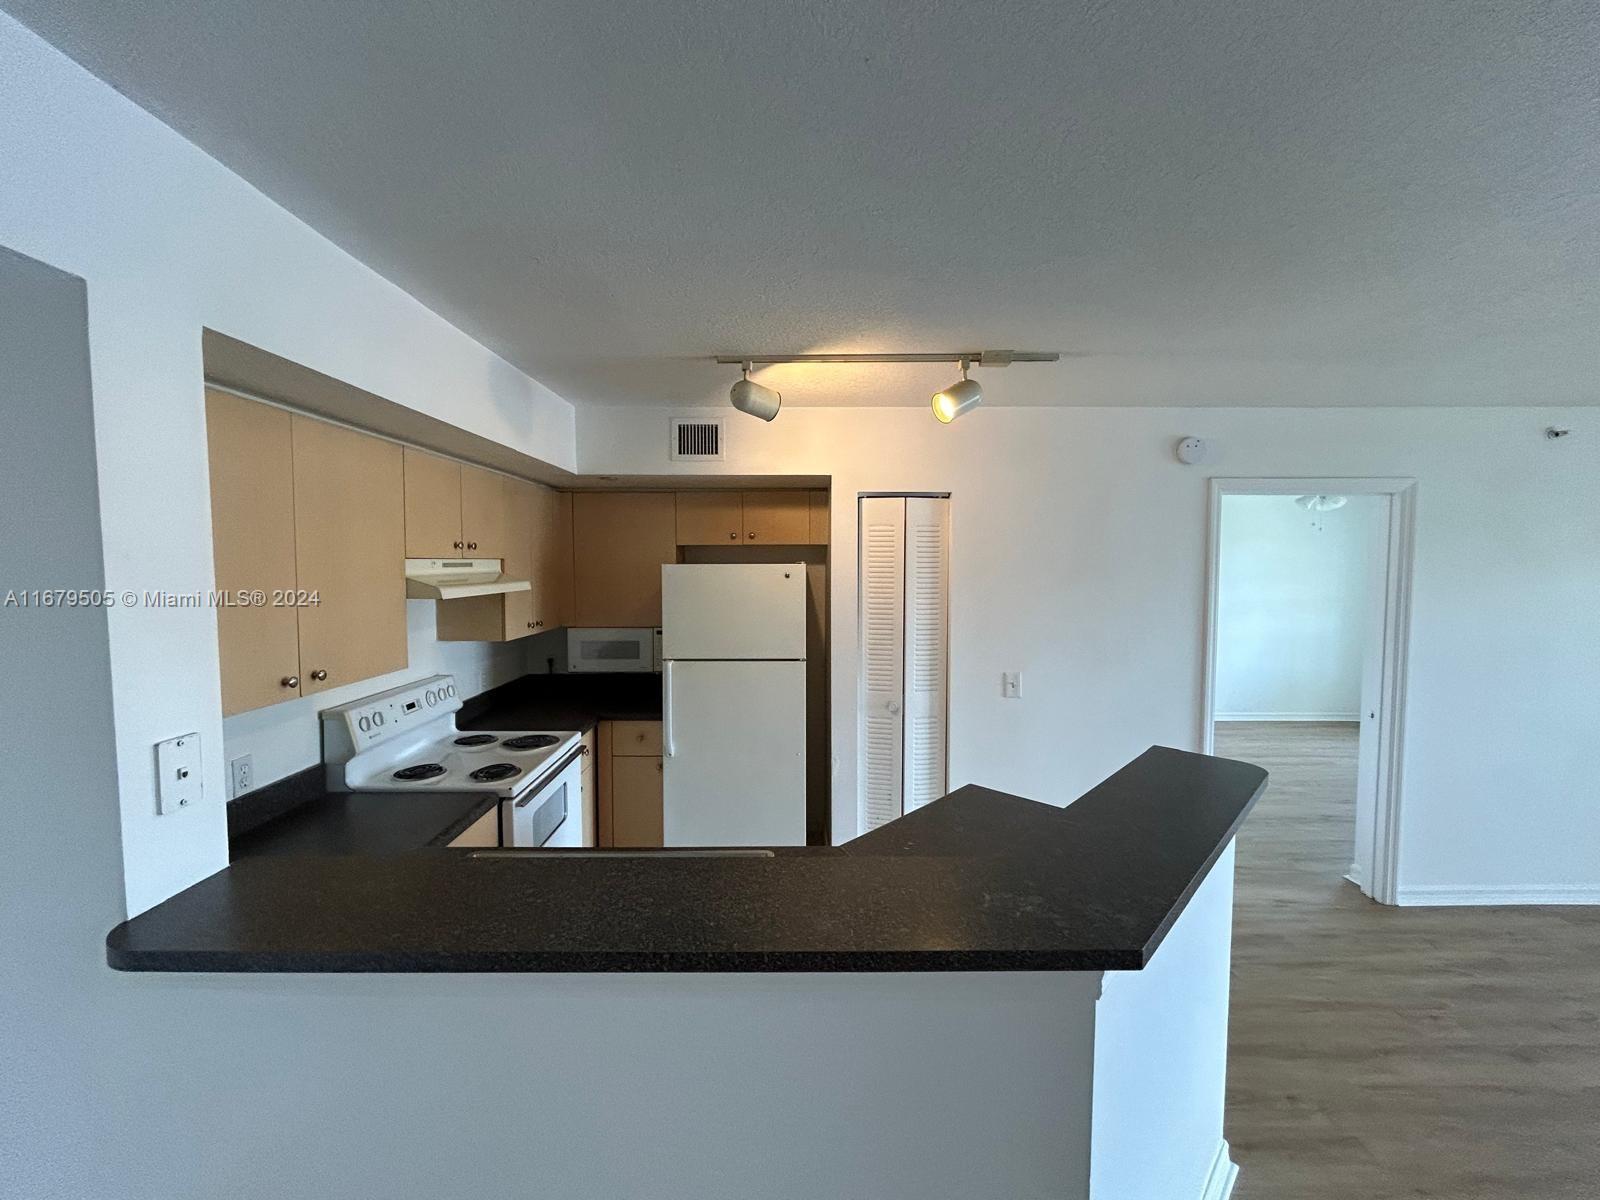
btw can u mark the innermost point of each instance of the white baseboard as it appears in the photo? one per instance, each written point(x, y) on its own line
point(1354, 875)
point(1351, 717)
point(1429, 895)
point(1223, 1175)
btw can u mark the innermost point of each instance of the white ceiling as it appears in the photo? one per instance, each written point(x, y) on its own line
point(1213, 203)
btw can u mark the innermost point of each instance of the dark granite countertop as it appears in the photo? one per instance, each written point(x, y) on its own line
point(978, 880)
point(365, 823)
point(298, 815)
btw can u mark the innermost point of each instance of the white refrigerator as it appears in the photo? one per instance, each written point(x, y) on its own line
point(733, 691)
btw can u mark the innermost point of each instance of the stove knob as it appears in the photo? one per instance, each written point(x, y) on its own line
point(366, 724)
point(431, 697)
point(377, 719)
point(450, 691)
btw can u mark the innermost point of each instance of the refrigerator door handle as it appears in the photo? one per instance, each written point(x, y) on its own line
point(667, 746)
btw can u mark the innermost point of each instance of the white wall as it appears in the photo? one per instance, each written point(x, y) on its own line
point(169, 241)
point(1078, 557)
point(1161, 1059)
point(1293, 593)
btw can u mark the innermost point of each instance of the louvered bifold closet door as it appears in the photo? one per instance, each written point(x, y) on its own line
point(882, 591)
point(926, 650)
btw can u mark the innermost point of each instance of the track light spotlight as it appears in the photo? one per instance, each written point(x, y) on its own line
point(956, 399)
point(748, 396)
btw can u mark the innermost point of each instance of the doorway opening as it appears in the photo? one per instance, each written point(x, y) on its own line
point(1306, 631)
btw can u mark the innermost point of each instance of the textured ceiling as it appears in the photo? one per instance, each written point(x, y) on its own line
point(1241, 203)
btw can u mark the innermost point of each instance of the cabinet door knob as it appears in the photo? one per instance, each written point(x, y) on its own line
point(751, 535)
point(290, 681)
point(583, 750)
point(530, 625)
point(472, 545)
point(734, 535)
point(459, 545)
point(319, 674)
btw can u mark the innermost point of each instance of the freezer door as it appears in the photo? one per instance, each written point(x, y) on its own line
point(733, 610)
point(734, 753)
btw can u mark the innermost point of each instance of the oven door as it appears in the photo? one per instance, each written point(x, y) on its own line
point(548, 815)
point(594, 650)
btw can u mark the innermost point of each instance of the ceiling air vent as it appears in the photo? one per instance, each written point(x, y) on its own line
point(699, 440)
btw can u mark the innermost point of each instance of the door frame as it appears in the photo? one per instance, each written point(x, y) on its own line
point(1402, 493)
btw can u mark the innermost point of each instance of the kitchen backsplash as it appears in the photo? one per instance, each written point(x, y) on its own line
point(284, 738)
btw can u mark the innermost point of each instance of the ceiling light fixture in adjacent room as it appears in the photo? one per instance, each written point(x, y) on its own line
point(750, 397)
point(1321, 503)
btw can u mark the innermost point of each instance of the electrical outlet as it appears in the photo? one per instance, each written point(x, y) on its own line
point(1011, 685)
point(241, 775)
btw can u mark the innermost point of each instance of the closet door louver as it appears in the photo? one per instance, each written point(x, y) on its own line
point(926, 650)
point(882, 589)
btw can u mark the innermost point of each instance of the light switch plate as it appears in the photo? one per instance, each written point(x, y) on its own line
point(178, 773)
point(1011, 685)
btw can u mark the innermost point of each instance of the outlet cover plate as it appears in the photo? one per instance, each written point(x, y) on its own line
point(178, 773)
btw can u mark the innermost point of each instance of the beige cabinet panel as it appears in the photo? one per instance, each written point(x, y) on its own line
point(501, 618)
point(482, 833)
point(620, 541)
point(433, 506)
point(635, 739)
point(550, 556)
point(350, 546)
point(777, 518)
point(818, 512)
point(252, 536)
point(559, 562)
point(636, 816)
point(709, 518)
point(485, 523)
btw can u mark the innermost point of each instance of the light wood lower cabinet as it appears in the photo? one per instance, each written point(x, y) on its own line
point(620, 540)
point(630, 812)
point(481, 834)
point(310, 515)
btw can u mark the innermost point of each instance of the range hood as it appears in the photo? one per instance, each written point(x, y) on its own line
point(454, 578)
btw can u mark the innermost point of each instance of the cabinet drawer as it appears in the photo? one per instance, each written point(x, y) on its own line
point(635, 739)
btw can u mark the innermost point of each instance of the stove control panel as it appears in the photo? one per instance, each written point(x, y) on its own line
point(347, 729)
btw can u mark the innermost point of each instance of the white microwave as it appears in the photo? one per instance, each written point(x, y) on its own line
point(594, 650)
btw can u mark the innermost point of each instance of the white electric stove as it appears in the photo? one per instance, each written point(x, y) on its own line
point(406, 740)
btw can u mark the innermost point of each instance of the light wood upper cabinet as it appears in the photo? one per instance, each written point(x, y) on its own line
point(433, 506)
point(710, 518)
point(819, 518)
point(551, 557)
point(485, 514)
point(252, 534)
point(777, 518)
point(768, 518)
point(350, 547)
point(518, 607)
point(620, 541)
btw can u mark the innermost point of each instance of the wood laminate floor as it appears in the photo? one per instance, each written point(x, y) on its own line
point(1381, 1052)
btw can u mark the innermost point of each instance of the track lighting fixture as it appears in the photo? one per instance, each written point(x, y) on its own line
point(949, 403)
point(748, 396)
